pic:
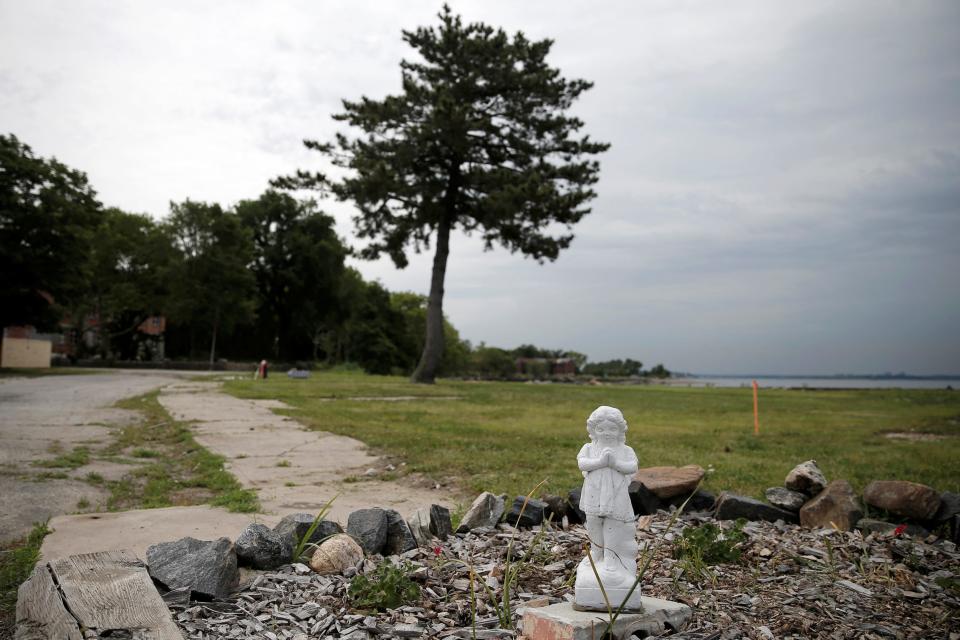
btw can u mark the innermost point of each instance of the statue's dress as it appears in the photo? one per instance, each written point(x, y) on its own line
point(605, 490)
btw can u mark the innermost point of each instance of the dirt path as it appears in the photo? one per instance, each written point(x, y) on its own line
point(291, 468)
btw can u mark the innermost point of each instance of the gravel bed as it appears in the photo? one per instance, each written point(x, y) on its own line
point(790, 583)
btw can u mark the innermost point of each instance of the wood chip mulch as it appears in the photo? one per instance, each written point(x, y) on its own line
point(790, 583)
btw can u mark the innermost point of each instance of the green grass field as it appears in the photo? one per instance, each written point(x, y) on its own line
point(506, 437)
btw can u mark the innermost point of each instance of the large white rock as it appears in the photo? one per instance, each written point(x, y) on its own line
point(336, 555)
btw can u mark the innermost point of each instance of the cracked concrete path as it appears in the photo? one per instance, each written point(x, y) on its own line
point(291, 469)
point(42, 418)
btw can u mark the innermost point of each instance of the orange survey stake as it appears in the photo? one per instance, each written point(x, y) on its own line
point(756, 411)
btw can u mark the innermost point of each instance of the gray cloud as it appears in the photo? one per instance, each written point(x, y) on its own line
point(782, 194)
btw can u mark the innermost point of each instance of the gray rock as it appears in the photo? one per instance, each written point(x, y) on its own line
point(702, 500)
point(906, 499)
point(949, 506)
point(556, 508)
point(261, 548)
point(206, 568)
point(575, 514)
point(644, 501)
point(369, 528)
point(294, 526)
point(786, 498)
point(419, 523)
point(806, 478)
point(869, 525)
point(440, 524)
point(834, 507)
point(731, 506)
point(399, 537)
point(485, 511)
point(532, 515)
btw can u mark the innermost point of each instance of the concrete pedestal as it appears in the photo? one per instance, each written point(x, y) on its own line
point(563, 622)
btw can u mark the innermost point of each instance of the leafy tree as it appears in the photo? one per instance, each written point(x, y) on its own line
point(616, 368)
point(491, 362)
point(48, 213)
point(213, 287)
point(659, 371)
point(298, 265)
point(478, 139)
point(130, 258)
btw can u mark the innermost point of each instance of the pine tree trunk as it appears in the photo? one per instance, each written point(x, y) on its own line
point(433, 346)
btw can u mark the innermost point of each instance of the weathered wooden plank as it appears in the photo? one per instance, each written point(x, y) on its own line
point(40, 612)
point(112, 590)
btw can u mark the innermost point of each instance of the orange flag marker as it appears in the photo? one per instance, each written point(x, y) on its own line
point(756, 411)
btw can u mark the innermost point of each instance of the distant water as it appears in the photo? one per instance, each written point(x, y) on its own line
point(820, 383)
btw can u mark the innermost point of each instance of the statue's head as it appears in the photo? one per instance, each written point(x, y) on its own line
point(604, 418)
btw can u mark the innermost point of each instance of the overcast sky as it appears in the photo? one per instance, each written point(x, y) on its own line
point(782, 194)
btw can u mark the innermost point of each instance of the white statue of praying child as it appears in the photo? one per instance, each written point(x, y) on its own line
point(608, 465)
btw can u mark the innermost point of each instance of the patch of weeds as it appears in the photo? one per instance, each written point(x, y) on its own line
point(50, 475)
point(83, 503)
point(240, 456)
point(352, 479)
point(387, 587)
point(77, 458)
point(178, 463)
point(238, 501)
point(16, 563)
point(457, 513)
point(283, 463)
point(699, 547)
point(94, 478)
point(289, 484)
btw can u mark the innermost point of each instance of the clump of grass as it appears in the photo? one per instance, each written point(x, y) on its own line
point(16, 563)
point(283, 463)
point(94, 478)
point(83, 503)
point(50, 475)
point(177, 462)
point(698, 548)
point(75, 459)
point(388, 587)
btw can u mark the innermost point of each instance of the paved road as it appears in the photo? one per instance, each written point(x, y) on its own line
point(43, 417)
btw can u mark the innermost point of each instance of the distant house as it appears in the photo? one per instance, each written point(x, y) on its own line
point(546, 366)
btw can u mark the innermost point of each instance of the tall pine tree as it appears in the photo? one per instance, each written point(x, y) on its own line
point(479, 139)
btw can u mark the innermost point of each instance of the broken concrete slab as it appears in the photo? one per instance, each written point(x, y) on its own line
point(563, 622)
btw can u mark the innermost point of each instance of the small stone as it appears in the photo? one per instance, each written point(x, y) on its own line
point(369, 527)
point(731, 506)
point(806, 478)
point(208, 569)
point(702, 500)
point(485, 511)
point(336, 555)
point(407, 631)
point(399, 538)
point(260, 548)
point(786, 498)
point(644, 501)
point(907, 499)
point(834, 507)
point(669, 482)
point(527, 516)
point(294, 526)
